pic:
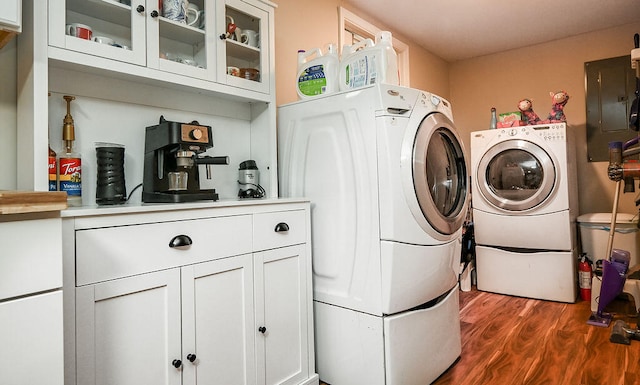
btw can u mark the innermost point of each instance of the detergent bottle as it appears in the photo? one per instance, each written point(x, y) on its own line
point(317, 73)
point(366, 63)
point(390, 58)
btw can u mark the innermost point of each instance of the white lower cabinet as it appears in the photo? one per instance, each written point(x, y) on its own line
point(240, 317)
point(282, 347)
point(31, 313)
point(31, 335)
point(168, 327)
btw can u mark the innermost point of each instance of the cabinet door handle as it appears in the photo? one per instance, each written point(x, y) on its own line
point(154, 13)
point(176, 364)
point(262, 329)
point(191, 357)
point(180, 241)
point(140, 8)
point(281, 227)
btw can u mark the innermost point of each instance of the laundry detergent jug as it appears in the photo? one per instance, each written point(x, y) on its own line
point(366, 63)
point(317, 73)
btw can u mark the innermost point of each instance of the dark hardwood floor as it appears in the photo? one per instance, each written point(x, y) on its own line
point(515, 341)
point(512, 340)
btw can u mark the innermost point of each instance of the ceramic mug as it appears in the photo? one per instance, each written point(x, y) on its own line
point(233, 32)
point(250, 74)
point(175, 10)
point(103, 40)
point(79, 30)
point(194, 15)
point(250, 37)
point(233, 71)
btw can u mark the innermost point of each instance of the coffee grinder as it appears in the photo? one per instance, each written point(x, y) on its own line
point(171, 159)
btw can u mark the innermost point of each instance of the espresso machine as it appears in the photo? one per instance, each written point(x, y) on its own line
point(171, 158)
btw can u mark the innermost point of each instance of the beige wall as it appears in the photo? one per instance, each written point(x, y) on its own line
point(306, 25)
point(473, 86)
point(501, 80)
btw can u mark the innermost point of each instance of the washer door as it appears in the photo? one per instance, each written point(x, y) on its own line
point(440, 175)
point(516, 175)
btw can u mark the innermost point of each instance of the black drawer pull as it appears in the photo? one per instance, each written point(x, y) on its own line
point(180, 241)
point(281, 227)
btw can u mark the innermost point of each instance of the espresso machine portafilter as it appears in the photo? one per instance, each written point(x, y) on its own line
point(172, 155)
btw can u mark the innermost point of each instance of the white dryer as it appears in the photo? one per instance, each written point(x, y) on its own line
point(525, 204)
point(386, 174)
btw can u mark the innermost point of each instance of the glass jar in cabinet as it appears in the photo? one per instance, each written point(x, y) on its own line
point(243, 55)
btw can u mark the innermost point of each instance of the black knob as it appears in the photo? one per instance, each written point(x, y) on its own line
point(140, 8)
point(223, 36)
point(281, 227)
point(176, 364)
point(262, 329)
point(180, 241)
point(191, 357)
point(154, 13)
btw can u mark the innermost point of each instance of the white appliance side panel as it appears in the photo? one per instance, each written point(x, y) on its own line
point(413, 275)
point(349, 346)
point(422, 344)
point(543, 275)
point(327, 154)
point(399, 223)
point(554, 231)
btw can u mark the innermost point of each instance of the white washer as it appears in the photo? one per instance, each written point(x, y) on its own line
point(524, 210)
point(385, 171)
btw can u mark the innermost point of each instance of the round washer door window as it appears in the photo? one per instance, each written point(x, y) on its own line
point(516, 175)
point(440, 174)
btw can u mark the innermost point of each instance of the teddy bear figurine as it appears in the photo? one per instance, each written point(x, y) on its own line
point(559, 100)
point(528, 116)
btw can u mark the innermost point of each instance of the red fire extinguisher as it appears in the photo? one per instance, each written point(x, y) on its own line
point(584, 277)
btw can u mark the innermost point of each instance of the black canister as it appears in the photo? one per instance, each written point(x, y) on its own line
point(110, 188)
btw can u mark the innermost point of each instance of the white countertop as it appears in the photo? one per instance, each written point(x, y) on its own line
point(163, 207)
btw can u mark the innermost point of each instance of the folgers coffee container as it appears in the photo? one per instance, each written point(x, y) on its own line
point(53, 171)
point(317, 73)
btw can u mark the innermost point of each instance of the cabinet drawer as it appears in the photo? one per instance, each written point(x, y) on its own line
point(31, 257)
point(115, 252)
point(278, 229)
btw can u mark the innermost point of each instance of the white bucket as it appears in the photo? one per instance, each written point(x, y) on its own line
point(317, 73)
point(366, 63)
point(594, 235)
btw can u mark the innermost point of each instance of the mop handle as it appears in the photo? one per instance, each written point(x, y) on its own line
point(612, 228)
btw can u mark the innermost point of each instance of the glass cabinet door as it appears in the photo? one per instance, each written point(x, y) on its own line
point(243, 57)
point(113, 29)
point(183, 43)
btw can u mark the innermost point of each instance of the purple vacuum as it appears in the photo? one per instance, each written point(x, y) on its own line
point(614, 273)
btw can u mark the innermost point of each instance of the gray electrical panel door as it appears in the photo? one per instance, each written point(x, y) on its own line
point(611, 86)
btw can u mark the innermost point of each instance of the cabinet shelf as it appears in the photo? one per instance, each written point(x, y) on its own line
point(172, 30)
point(244, 51)
point(108, 10)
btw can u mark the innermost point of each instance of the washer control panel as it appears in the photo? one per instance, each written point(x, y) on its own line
point(548, 132)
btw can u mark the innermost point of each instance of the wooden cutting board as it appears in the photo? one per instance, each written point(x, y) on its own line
point(20, 202)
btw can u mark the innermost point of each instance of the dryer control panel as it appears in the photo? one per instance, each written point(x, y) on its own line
point(548, 132)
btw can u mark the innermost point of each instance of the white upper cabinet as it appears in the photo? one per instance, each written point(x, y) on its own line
point(11, 15)
point(142, 33)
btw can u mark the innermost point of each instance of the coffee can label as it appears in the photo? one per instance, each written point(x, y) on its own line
point(70, 176)
point(53, 185)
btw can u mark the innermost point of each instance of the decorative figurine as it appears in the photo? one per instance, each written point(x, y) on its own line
point(559, 100)
point(528, 116)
